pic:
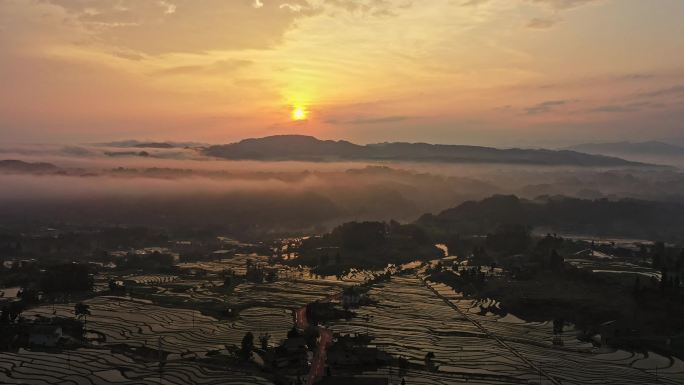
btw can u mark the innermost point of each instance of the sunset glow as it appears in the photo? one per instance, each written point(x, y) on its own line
point(323, 192)
point(494, 72)
point(299, 113)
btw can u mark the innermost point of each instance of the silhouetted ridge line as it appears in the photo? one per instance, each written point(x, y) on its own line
point(631, 148)
point(624, 217)
point(308, 148)
point(18, 166)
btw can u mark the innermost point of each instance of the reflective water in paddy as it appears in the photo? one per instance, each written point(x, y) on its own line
point(412, 321)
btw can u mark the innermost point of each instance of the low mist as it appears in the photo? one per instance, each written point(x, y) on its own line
point(90, 187)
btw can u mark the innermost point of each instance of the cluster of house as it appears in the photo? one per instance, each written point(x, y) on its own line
point(294, 352)
point(354, 297)
point(260, 272)
point(353, 351)
point(347, 353)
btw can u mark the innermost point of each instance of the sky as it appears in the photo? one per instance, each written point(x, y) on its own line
point(489, 72)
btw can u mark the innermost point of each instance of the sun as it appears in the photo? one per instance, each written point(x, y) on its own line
point(299, 113)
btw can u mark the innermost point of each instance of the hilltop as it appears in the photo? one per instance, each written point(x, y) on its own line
point(630, 148)
point(308, 148)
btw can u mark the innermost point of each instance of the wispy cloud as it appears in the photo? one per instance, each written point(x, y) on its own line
point(547, 106)
point(677, 90)
point(221, 66)
point(564, 4)
point(370, 120)
point(625, 107)
point(541, 23)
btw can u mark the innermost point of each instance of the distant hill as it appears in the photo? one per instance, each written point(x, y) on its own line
point(631, 148)
point(626, 217)
point(18, 166)
point(155, 145)
point(140, 144)
point(308, 148)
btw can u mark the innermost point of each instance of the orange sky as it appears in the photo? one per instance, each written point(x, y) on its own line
point(496, 72)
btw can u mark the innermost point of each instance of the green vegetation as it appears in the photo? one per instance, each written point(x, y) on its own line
point(537, 285)
point(366, 245)
point(603, 217)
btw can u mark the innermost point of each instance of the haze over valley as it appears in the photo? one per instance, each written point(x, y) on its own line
point(341, 192)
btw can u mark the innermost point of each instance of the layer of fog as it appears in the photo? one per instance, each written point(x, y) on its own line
point(95, 188)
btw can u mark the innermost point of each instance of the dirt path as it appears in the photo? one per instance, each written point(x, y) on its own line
point(317, 370)
point(318, 366)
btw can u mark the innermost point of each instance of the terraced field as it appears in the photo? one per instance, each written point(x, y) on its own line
point(100, 367)
point(413, 319)
point(186, 334)
point(182, 332)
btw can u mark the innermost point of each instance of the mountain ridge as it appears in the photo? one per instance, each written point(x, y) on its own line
point(652, 147)
point(309, 148)
point(623, 217)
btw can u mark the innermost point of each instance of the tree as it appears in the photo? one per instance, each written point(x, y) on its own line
point(663, 280)
point(556, 261)
point(558, 324)
point(637, 285)
point(643, 252)
point(658, 259)
point(429, 358)
point(66, 277)
point(263, 339)
point(438, 267)
point(15, 310)
point(361, 236)
point(311, 336)
point(4, 315)
point(679, 265)
point(82, 310)
point(247, 345)
point(509, 239)
point(293, 333)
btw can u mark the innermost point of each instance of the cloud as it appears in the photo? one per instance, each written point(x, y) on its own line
point(134, 56)
point(677, 90)
point(471, 3)
point(540, 23)
point(291, 7)
point(553, 4)
point(195, 26)
point(218, 67)
point(620, 108)
point(369, 120)
point(370, 7)
point(170, 8)
point(563, 4)
point(637, 76)
point(547, 106)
